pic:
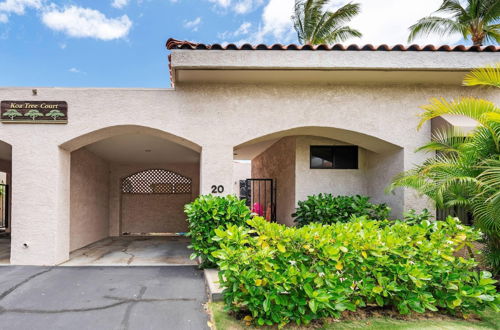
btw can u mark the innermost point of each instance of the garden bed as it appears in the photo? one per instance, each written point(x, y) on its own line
point(366, 319)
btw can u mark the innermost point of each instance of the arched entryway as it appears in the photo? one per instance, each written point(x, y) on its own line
point(289, 165)
point(128, 189)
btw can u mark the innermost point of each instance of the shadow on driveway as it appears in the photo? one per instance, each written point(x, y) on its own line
point(102, 298)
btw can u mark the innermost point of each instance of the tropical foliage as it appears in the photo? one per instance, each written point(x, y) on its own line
point(208, 213)
point(328, 209)
point(275, 274)
point(465, 170)
point(477, 20)
point(315, 24)
point(487, 76)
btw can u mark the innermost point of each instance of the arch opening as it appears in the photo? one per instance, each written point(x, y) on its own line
point(5, 201)
point(305, 161)
point(129, 185)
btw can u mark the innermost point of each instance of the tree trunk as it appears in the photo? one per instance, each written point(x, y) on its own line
point(477, 40)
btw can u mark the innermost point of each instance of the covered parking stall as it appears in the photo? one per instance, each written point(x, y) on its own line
point(127, 197)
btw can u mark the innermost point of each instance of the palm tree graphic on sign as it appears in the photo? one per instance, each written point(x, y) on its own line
point(54, 114)
point(33, 113)
point(11, 113)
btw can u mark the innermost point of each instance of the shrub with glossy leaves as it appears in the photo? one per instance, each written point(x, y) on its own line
point(206, 214)
point(328, 209)
point(412, 217)
point(276, 275)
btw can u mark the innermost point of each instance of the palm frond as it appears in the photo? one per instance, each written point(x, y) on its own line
point(473, 108)
point(474, 19)
point(444, 141)
point(434, 24)
point(485, 76)
point(490, 177)
point(315, 25)
point(486, 215)
point(342, 34)
point(452, 7)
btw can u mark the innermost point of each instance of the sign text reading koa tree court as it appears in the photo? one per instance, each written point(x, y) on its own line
point(34, 112)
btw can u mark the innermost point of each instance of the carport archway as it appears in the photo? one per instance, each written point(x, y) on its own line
point(130, 181)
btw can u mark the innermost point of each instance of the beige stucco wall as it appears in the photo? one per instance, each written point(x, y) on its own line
point(335, 181)
point(157, 213)
point(160, 213)
point(380, 169)
point(241, 171)
point(211, 117)
point(89, 210)
point(278, 163)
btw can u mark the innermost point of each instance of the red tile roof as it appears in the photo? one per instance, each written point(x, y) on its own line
point(181, 44)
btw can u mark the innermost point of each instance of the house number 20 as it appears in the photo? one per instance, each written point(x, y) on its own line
point(217, 189)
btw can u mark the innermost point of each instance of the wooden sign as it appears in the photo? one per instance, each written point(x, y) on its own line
point(34, 112)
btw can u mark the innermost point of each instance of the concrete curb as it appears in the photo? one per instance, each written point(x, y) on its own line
point(212, 283)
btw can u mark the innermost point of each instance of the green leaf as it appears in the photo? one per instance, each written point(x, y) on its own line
point(266, 304)
point(313, 306)
point(486, 297)
point(281, 248)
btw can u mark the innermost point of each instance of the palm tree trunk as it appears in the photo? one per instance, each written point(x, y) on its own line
point(477, 39)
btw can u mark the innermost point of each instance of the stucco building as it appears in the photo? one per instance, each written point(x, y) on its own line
point(125, 161)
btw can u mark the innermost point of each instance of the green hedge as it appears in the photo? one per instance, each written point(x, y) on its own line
point(278, 275)
point(328, 209)
point(206, 214)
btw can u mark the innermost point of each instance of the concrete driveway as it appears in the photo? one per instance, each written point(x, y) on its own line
point(102, 298)
point(133, 251)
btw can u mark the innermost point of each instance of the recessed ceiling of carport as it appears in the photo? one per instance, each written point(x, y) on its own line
point(142, 148)
point(5, 151)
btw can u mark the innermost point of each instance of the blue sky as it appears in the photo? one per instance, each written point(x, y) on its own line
point(121, 43)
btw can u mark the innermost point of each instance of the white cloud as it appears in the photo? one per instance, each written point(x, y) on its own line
point(192, 25)
point(381, 21)
point(19, 6)
point(119, 3)
point(240, 6)
point(387, 22)
point(81, 22)
point(245, 6)
point(222, 3)
point(243, 29)
point(276, 24)
point(77, 71)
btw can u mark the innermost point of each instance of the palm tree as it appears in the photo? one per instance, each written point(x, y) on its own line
point(465, 171)
point(315, 25)
point(478, 20)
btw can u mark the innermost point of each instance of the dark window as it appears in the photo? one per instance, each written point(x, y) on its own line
point(339, 157)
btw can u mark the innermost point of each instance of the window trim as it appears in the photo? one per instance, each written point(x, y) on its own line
point(333, 147)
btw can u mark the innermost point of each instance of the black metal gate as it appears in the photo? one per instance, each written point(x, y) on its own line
point(4, 206)
point(260, 196)
point(459, 212)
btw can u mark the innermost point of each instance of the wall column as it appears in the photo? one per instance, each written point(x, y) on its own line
point(216, 169)
point(40, 202)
